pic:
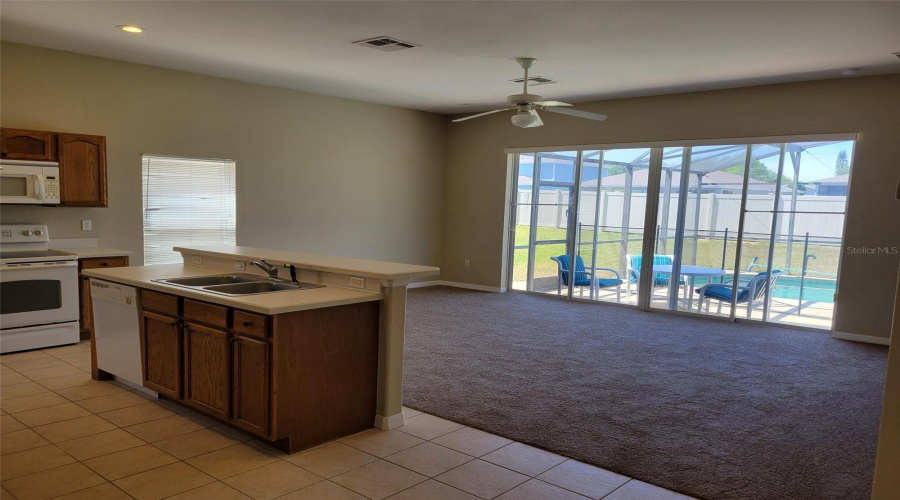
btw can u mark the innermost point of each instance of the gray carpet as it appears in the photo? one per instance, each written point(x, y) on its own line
point(709, 409)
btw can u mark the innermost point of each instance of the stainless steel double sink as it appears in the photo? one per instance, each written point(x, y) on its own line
point(237, 284)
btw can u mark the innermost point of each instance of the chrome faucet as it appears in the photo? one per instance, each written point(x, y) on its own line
point(270, 269)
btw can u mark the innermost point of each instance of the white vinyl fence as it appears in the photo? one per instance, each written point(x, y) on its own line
point(717, 212)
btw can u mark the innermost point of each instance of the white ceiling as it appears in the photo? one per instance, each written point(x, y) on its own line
point(595, 49)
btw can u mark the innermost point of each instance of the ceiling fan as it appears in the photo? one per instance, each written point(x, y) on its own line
point(527, 105)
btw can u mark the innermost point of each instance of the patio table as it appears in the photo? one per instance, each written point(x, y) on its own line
point(690, 272)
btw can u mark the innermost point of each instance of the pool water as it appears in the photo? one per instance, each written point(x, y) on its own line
point(788, 287)
point(814, 289)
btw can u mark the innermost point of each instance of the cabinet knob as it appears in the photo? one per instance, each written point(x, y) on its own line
point(246, 324)
point(104, 264)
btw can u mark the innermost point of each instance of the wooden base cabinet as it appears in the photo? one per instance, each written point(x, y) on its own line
point(295, 379)
point(251, 373)
point(207, 369)
point(162, 342)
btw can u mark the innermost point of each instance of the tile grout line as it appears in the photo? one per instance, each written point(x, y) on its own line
point(566, 459)
point(277, 458)
point(618, 488)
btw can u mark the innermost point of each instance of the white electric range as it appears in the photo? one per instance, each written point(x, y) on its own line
point(38, 290)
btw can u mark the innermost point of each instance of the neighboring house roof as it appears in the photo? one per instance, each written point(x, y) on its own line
point(714, 178)
point(837, 180)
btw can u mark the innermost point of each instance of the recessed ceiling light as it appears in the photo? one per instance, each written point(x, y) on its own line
point(130, 28)
point(850, 72)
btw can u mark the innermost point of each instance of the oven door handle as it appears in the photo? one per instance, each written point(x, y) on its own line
point(33, 267)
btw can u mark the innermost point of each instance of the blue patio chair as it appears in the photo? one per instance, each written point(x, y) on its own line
point(585, 277)
point(659, 279)
point(751, 293)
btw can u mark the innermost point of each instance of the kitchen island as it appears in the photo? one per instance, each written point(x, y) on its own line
point(296, 367)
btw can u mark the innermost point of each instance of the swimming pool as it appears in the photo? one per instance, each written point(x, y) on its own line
point(815, 289)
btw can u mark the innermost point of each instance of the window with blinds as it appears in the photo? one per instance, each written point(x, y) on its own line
point(187, 202)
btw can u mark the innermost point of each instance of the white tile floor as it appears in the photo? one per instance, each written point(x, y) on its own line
point(66, 436)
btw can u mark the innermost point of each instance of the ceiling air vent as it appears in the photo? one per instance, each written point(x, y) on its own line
point(536, 80)
point(385, 43)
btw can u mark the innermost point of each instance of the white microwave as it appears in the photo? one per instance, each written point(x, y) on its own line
point(29, 182)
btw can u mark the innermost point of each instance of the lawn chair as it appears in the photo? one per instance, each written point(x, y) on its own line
point(751, 293)
point(585, 277)
point(659, 279)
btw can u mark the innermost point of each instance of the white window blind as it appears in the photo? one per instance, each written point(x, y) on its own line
point(187, 202)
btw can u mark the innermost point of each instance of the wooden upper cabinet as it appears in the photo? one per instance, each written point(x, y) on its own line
point(18, 144)
point(82, 169)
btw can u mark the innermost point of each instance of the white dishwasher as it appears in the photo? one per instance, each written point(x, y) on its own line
point(117, 331)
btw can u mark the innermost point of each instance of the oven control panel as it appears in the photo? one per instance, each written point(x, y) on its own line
point(24, 233)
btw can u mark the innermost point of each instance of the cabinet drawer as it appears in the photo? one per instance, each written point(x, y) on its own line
point(207, 314)
point(251, 324)
point(102, 262)
point(159, 302)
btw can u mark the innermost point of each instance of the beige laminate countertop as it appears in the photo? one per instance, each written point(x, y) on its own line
point(265, 303)
point(327, 263)
point(96, 252)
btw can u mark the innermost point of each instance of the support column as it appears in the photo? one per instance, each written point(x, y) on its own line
point(389, 404)
point(697, 219)
point(626, 215)
point(795, 160)
point(664, 224)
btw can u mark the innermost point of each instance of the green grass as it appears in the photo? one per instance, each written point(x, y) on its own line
point(709, 252)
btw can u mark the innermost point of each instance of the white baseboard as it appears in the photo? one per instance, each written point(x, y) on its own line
point(422, 284)
point(869, 339)
point(457, 284)
point(470, 286)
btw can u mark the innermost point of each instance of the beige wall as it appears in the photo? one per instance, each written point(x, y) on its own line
point(329, 175)
point(314, 173)
point(476, 172)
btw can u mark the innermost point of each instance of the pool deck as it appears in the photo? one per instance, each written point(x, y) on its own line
point(788, 312)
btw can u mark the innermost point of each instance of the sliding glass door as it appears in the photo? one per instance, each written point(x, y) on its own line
point(700, 193)
point(740, 230)
point(612, 204)
point(544, 204)
point(794, 234)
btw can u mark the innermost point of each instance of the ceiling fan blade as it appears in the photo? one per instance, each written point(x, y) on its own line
point(538, 122)
point(479, 114)
point(552, 103)
point(579, 114)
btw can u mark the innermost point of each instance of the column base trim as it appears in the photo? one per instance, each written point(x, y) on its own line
point(388, 423)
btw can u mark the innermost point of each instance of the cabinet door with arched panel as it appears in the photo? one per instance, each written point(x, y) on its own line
point(19, 144)
point(82, 169)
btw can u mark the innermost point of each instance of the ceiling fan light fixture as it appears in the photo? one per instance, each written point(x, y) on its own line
point(523, 119)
